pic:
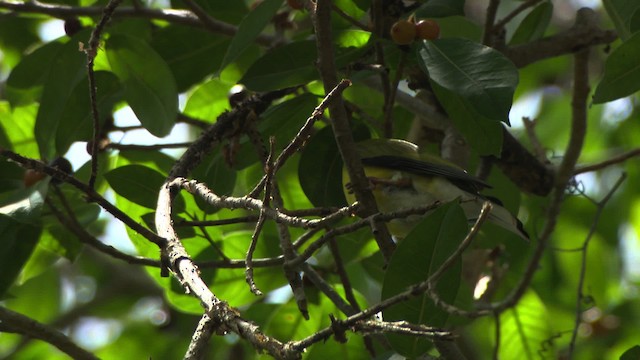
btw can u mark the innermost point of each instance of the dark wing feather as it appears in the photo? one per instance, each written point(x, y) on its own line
point(458, 177)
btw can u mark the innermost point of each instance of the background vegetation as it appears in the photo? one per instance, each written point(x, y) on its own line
point(209, 220)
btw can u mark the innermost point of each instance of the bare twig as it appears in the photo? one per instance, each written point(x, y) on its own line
point(92, 51)
point(583, 264)
point(522, 7)
point(71, 223)
point(91, 194)
point(612, 161)
point(174, 16)
point(563, 174)
point(198, 346)
point(11, 321)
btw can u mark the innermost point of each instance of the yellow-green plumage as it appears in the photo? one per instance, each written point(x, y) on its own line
point(403, 178)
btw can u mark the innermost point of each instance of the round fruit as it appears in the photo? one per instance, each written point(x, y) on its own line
point(31, 177)
point(72, 26)
point(296, 4)
point(403, 32)
point(428, 29)
point(63, 165)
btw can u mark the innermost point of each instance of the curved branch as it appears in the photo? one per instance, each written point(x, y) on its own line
point(174, 16)
point(11, 321)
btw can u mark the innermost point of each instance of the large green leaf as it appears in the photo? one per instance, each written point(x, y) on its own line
point(17, 241)
point(76, 123)
point(24, 205)
point(320, 170)
point(209, 100)
point(485, 78)
point(18, 124)
point(250, 27)
point(149, 86)
point(417, 257)
point(140, 184)
point(475, 84)
point(214, 172)
point(282, 67)
point(534, 24)
point(621, 72)
point(484, 135)
point(622, 13)
point(191, 53)
point(67, 69)
point(26, 80)
point(524, 328)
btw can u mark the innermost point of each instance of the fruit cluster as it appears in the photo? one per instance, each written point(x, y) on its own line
point(404, 32)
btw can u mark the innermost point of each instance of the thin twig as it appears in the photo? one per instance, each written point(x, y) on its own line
point(583, 264)
point(174, 16)
point(91, 194)
point(71, 223)
point(612, 161)
point(563, 175)
point(148, 147)
point(92, 51)
point(522, 7)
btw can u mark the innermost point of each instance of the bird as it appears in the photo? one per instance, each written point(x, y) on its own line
point(402, 177)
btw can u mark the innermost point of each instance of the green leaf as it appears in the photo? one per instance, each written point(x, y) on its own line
point(417, 257)
point(209, 100)
point(485, 78)
point(631, 354)
point(621, 72)
point(524, 328)
point(140, 184)
point(282, 67)
point(26, 80)
point(18, 241)
point(76, 123)
point(67, 69)
point(25, 205)
point(217, 175)
point(249, 29)
point(191, 53)
point(320, 170)
point(534, 24)
point(149, 86)
point(484, 135)
point(440, 8)
point(18, 125)
point(621, 12)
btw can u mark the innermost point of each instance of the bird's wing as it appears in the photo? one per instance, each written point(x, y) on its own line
point(458, 177)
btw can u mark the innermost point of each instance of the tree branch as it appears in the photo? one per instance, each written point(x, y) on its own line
point(11, 321)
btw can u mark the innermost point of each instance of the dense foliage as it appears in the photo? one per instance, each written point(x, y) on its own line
point(151, 207)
